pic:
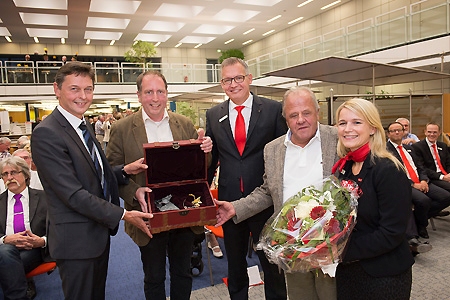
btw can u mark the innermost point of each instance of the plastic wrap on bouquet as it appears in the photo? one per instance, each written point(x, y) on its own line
point(312, 228)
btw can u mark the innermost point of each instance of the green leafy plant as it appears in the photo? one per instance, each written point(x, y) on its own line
point(185, 109)
point(140, 52)
point(231, 53)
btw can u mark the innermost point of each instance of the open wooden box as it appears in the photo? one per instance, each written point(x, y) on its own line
point(178, 169)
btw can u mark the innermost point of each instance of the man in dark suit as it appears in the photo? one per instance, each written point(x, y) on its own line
point(81, 187)
point(242, 169)
point(23, 212)
point(153, 123)
point(428, 199)
point(434, 156)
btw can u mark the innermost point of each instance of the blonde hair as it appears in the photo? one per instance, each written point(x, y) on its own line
point(377, 142)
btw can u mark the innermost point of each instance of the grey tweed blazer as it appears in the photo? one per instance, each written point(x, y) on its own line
point(271, 191)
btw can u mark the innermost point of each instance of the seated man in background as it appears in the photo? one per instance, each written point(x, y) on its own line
point(408, 137)
point(428, 199)
point(23, 212)
point(5, 144)
point(22, 142)
point(435, 157)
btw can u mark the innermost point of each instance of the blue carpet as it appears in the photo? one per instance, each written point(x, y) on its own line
point(125, 275)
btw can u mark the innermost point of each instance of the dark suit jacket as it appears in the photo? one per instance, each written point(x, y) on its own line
point(126, 145)
point(266, 124)
point(378, 240)
point(37, 212)
point(80, 220)
point(426, 159)
point(420, 169)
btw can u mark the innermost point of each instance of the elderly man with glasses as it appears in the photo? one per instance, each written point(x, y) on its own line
point(23, 212)
point(5, 144)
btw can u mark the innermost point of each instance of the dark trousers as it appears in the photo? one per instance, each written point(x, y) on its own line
point(14, 264)
point(177, 245)
point(440, 198)
point(236, 238)
point(84, 278)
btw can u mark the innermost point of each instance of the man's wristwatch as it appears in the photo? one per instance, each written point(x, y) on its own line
point(125, 173)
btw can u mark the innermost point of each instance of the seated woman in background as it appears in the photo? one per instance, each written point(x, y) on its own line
point(377, 263)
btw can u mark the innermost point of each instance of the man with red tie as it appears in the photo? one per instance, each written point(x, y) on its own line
point(240, 127)
point(434, 156)
point(428, 199)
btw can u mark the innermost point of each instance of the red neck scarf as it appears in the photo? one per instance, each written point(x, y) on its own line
point(359, 155)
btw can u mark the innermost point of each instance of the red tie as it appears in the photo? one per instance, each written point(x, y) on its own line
point(239, 130)
point(436, 154)
point(409, 168)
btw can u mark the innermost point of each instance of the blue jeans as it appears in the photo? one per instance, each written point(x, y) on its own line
point(14, 264)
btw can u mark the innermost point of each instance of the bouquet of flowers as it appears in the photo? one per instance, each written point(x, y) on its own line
point(313, 226)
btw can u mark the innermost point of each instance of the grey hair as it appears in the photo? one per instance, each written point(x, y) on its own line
point(17, 163)
point(4, 140)
point(230, 61)
point(299, 90)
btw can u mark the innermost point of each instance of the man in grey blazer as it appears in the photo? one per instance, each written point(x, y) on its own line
point(298, 159)
point(82, 199)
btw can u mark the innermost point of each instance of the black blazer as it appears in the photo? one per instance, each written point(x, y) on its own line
point(80, 220)
point(425, 157)
point(37, 212)
point(378, 240)
point(420, 169)
point(266, 124)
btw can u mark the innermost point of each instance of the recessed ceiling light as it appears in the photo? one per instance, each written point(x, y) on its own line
point(102, 35)
point(112, 42)
point(330, 5)
point(248, 31)
point(43, 19)
point(247, 42)
point(88, 41)
point(157, 44)
point(295, 20)
point(177, 10)
point(235, 15)
point(197, 46)
point(8, 39)
point(274, 18)
point(4, 31)
point(229, 41)
point(213, 29)
point(258, 2)
point(268, 32)
point(152, 37)
point(163, 26)
point(110, 23)
point(304, 3)
point(191, 39)
point(114, 7)
point(178, 45)
point(36, 40)
point(43, 4)
point(48, 33)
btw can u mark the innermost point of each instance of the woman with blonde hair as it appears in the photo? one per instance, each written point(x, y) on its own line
point(377, 262)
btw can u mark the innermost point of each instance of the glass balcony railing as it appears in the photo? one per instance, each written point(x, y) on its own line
point(419, 21)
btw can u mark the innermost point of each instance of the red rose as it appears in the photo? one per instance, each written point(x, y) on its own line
point(317, 212)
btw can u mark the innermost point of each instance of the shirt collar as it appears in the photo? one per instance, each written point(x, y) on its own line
point(24, 193)
point(428, 142)
point(247, 103)
point(287, 139)
point(73, 121)
point(145, 117)
point(395, 145)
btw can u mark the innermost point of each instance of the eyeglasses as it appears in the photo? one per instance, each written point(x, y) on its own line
point(237, 79)
point(12, 173)
point(396, 130)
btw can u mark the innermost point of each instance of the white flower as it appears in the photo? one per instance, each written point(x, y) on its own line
point(303, 209)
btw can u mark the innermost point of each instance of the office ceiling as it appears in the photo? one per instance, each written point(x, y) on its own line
point(208, 22)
